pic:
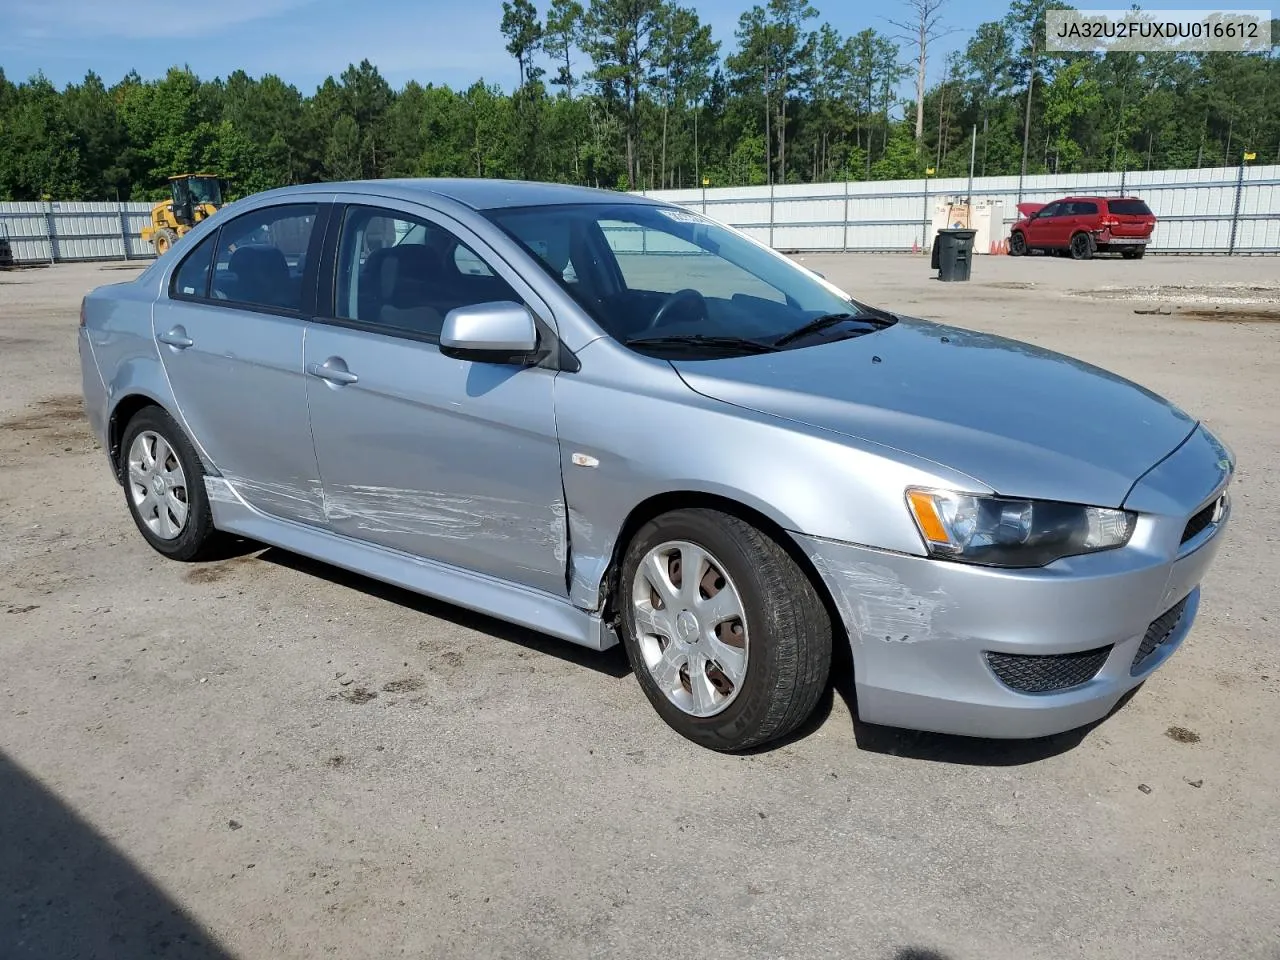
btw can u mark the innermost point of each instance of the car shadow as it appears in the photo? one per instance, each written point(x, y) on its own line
point(66, 891)
point(611, 662)
point(873, 738)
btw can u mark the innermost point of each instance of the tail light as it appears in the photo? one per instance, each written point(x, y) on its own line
point(1110, 222)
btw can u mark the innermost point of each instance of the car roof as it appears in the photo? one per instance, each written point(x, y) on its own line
point(484, 194)
point(1083, 197)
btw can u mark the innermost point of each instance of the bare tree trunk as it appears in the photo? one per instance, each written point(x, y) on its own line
point(920, 69)
point(782, 133)
point(1026, 123)
point(768, 145)
point(927, 26)
point(942, 106)
point(664, 143)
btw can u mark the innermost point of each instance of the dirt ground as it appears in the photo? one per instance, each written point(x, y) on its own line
point(265, 758)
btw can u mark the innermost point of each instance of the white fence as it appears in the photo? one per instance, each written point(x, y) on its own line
point(1222, 210)
point(49, 232)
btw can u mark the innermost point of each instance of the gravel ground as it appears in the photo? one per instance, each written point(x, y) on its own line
point(262, 757)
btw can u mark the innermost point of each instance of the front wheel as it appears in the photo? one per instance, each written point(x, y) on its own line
point(164, 240)
point(727, 636)
point(1017, 245)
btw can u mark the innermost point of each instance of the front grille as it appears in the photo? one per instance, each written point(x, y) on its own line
point(1042, 674)
point(1160, 630)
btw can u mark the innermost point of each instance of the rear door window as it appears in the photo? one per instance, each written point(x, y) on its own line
point(1129, 208)
point(262, 256)
point(1083, 208)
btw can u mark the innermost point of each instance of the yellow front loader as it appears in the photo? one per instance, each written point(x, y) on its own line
point(195, 196)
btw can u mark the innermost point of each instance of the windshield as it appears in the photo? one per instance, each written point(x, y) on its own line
point(205, 190)
point(646, 271)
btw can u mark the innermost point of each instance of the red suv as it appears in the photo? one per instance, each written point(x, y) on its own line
point(1084, 226)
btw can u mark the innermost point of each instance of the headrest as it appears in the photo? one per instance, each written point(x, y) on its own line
point(259, 261)
point(405, 271)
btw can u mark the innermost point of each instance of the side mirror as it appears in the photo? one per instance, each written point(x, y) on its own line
point(501, 332)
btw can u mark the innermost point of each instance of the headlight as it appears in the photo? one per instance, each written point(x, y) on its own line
point(1000, 532)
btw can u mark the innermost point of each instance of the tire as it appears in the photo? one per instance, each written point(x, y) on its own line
point(164, 240)
point(192, 539)
point(1018, 244)
point(1082, 246)
point(782, 626)
point(1133, 254)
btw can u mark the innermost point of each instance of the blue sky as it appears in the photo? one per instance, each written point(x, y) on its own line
point(441, 41)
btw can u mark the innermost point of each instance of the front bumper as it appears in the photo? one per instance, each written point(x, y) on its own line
point(921, 629)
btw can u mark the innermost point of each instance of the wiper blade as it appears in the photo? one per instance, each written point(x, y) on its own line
point(830, 320)
point(703, 340)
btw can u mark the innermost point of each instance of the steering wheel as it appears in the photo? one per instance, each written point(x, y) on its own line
point(680, 296)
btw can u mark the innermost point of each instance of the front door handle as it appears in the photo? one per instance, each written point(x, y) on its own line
point(334, 370)
point(176, 338)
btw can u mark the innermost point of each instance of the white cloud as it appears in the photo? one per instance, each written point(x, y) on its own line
point(138, 19)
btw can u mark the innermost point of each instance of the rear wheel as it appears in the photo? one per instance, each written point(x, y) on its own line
point(727, 636)
point(164, 486)
point(1017, 244)
point(163, 240)
point(1081, 246)
point(1133, 253)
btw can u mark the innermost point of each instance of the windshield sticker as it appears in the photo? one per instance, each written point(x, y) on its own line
point(683, 216)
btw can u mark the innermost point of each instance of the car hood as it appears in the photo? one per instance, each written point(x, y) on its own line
point(1024, 421)
point(1030, 209)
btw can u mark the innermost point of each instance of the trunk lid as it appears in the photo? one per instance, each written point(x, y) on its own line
point(1131, 218)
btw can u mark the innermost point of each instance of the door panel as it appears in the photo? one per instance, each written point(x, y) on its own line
point(441, 458)
point(230, 335)
point(438, 457)
point(1040, 228)
point(240, 388)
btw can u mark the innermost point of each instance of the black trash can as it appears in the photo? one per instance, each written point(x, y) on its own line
point(953, 253)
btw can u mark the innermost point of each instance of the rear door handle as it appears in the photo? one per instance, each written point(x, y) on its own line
point(332, 372)
point(176, 338)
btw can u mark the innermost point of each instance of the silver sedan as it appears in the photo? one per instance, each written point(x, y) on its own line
point(612, 419)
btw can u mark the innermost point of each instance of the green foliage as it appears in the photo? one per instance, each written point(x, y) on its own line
point(639, 94)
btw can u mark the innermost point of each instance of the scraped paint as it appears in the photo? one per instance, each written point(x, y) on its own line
point(877, 605)
point(429, 513)
point(301, 498)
